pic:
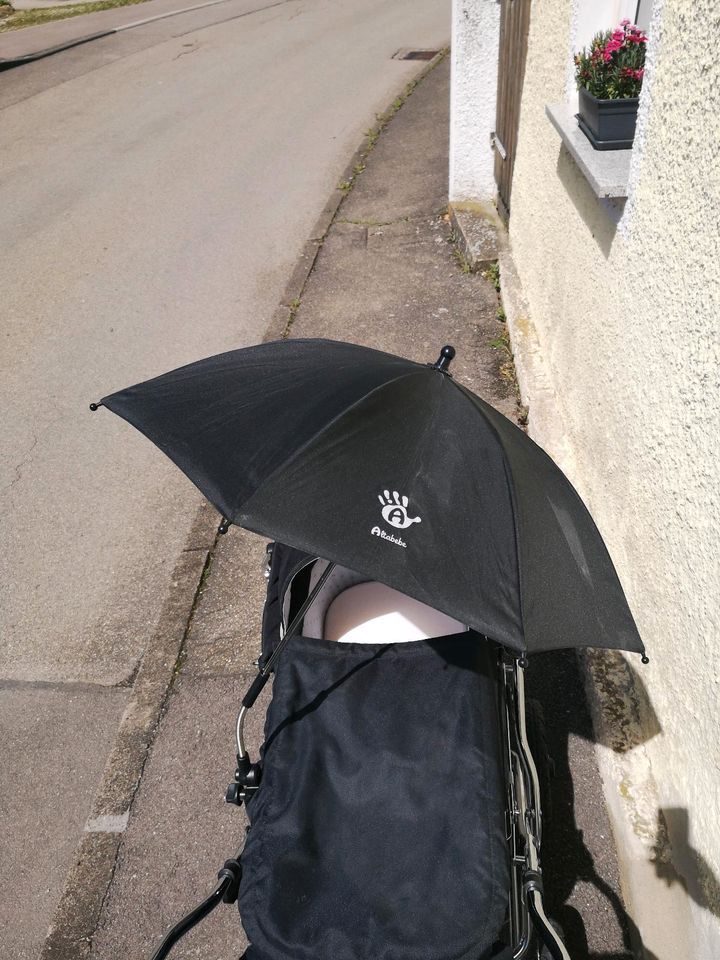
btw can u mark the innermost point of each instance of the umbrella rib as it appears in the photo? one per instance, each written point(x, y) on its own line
point(303, 446)
point(513, 496)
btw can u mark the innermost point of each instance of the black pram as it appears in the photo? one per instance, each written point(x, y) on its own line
point(378, 830)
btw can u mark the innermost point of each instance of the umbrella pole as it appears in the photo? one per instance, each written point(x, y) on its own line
point(247, 774)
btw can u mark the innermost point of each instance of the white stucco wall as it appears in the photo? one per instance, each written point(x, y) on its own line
point(626, 308)
point(475, 34)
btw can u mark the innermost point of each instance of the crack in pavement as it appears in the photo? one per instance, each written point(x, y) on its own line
point(193, 47)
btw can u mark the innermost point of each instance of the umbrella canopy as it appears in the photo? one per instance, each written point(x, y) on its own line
point(395, 470)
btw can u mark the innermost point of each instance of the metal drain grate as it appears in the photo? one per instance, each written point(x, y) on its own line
point(415, 54)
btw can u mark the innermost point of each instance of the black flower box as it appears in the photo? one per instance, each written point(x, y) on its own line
point(608, 124)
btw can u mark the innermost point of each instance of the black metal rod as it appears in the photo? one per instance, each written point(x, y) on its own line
point(191, 920)
point(292, 629)
point(263, 676)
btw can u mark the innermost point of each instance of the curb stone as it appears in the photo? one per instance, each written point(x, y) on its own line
point(86, 886)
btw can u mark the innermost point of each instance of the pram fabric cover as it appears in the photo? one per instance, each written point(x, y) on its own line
point(378, 831)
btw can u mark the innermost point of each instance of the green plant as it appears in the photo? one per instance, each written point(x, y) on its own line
point(614, 65)
point(500, 343)
point(493, 275)
point(461, 260)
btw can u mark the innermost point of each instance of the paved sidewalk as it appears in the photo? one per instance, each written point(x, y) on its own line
point(386, 275)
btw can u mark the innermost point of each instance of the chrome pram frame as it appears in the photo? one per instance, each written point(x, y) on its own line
point(532, 936)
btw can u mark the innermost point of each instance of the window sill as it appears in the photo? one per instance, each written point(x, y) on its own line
point(607, 171)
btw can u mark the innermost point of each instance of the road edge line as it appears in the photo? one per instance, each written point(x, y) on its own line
point(8, 62)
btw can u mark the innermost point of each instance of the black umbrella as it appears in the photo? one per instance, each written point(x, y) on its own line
point(395, 470)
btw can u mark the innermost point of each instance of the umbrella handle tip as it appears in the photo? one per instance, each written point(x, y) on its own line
point(447, 355)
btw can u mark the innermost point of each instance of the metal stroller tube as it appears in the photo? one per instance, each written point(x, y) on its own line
point(527, 819)
point(527, 757)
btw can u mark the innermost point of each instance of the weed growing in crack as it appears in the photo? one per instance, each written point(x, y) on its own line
point(461, 260)
point(507, 361)
point(500, 343)
point(492, 274)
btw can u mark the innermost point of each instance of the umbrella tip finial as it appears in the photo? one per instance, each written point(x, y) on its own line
point(446, 356)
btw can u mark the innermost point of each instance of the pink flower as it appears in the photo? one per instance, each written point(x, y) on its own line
point(625, 22)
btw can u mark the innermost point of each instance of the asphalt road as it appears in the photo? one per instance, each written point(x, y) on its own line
point(156, 189)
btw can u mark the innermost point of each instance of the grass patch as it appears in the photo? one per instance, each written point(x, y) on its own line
point(493, 275)
point(17, 19)
point(461, 260)
point(507, 362)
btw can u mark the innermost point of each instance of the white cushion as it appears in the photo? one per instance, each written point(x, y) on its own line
point(374, 613)
point(340, 579)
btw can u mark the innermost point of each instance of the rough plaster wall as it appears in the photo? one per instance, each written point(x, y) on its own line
point(475, 33)
point(628, 316)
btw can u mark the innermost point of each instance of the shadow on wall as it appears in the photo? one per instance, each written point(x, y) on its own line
point(579, 863)
point(601, 217)
point(578, 854)
point(677, 861)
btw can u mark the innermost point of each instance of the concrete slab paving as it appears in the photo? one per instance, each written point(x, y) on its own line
point(387, 275)
point(181, 830)
point(407, 176)
point(224, 635)
point(54, 744)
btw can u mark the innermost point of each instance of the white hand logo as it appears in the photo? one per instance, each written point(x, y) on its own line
point(394, 510)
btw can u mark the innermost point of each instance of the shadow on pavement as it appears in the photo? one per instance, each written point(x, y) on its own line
point(582, 887)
